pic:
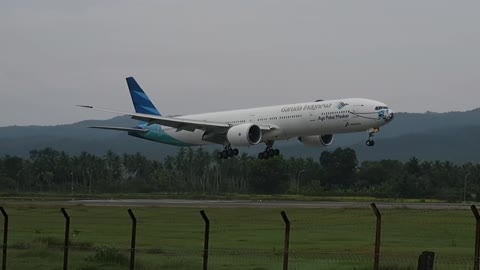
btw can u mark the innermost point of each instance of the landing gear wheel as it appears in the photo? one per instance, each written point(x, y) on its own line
point(269, 151)
point(227, 152)
point(371, 132)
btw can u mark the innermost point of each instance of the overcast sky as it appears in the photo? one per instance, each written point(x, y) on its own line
point(200, 56)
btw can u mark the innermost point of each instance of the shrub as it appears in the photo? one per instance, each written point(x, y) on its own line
point(110, 255)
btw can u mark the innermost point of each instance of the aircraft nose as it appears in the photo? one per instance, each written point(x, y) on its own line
point(390, 115)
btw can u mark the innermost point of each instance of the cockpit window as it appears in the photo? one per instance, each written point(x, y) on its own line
point(381, 108)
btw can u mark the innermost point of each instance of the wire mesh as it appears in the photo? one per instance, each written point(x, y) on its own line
point(246, 238)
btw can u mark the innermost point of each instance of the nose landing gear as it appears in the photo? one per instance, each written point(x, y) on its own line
point(269, 151)
point(371, 133)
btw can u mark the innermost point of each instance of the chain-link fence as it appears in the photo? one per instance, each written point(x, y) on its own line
point(234, 238)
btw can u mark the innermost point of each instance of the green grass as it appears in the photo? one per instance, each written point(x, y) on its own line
point(249, 238)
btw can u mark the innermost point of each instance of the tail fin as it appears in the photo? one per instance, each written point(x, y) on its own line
point(140, 100)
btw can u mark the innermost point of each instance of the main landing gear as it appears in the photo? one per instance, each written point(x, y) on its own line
point(228, 152)
point(269, 151)
point(371, 132)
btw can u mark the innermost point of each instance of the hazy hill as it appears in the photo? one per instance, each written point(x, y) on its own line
point(455, 144)
point(444, 136)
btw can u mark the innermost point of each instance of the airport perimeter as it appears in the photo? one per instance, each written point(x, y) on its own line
point(170, 234)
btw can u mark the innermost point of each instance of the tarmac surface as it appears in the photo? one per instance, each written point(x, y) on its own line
point(263, 204)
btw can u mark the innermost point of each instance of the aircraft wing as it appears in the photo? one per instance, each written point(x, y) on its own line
point(139, 130)
point(178, 123)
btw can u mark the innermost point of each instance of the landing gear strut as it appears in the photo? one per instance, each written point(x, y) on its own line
point(227, 152)
point(371, 132)
point(269, 151)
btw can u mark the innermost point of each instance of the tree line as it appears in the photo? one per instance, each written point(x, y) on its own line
point(197, 171)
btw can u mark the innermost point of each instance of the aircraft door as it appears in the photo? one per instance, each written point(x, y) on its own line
point(312, 116)
point(313, 120)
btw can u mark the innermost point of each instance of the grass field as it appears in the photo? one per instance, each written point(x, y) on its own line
point(172, 238)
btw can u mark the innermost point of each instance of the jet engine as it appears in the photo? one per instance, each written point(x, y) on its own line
point(322, 140)
point(244, 135)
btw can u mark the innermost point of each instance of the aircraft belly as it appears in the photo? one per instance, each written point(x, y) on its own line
point(194, 138)
point(276, 134)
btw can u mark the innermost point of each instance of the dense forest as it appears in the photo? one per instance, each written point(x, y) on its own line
point(197, 171)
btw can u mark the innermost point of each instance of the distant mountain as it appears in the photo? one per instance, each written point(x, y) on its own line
point(455, 144)
point(428, 136)
point(76, 138)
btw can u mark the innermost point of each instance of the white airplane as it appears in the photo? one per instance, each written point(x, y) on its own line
point(312, 123)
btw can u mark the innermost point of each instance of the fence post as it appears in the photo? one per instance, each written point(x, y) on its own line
point(426, 260)
point(378, 233)
point(477, 238)
point(287, 240)
point(5, 236)
point(133, 241)
point(67, 238)
point(206, 239)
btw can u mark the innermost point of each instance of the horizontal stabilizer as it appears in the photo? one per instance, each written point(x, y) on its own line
point(139, 130)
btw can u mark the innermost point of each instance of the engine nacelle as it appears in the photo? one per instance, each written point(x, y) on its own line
point(322, 140)
point(244, 135)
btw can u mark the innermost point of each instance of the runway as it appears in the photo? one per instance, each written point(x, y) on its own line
point(264, 204)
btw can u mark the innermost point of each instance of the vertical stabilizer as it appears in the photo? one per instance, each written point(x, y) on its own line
point(140, 100)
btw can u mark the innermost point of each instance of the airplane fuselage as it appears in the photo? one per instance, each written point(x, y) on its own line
point(289, 121)
point(312, 123)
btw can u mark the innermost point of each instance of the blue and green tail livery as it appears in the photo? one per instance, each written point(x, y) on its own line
point(140, 100)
